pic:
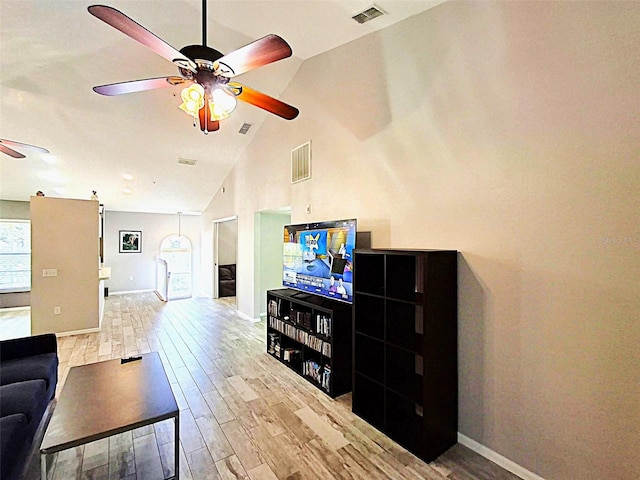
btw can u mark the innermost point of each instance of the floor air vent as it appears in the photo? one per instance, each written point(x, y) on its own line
point(186, 161)
point(245, 128)
point(301, 163)
point(368, 15)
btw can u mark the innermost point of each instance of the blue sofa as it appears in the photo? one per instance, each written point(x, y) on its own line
point(28, 379)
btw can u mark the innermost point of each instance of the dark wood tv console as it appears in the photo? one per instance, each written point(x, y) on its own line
point(312, 336)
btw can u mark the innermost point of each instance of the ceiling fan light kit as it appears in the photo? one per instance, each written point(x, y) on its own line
point(209, 95)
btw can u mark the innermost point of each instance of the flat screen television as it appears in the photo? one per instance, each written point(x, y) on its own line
point(318, 258)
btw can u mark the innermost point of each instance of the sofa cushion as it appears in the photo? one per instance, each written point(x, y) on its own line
point(39, 367)
point(14, 435)
point(24, 397)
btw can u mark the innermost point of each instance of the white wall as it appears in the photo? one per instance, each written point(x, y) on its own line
point(142, 266)
point(508, 131)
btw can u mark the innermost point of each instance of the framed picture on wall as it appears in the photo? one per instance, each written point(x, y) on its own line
point(130, 241)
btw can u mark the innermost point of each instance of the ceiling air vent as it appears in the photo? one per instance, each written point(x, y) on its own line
point(245, 128)
point(301, 163)
point(368, 15)
point(186, 161)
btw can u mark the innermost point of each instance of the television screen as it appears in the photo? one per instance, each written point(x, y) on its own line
point(318, 258)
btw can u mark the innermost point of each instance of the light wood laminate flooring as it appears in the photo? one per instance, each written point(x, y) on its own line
point(243, 415)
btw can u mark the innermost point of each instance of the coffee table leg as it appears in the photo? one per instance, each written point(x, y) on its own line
point(43, 466)
point(177, 445)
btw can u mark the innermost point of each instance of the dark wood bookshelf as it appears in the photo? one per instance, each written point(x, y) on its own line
point(405, 380)
point(312, 336)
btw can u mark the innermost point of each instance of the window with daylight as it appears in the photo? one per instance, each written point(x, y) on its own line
point(15, 256)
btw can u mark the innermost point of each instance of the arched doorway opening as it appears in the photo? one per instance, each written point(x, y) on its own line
point(176, 251)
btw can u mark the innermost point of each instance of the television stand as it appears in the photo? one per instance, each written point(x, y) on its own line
point(312, 336)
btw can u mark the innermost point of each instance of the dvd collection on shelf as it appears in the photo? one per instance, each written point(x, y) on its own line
point(321, 326)
point(320, 375)
point(301, 336)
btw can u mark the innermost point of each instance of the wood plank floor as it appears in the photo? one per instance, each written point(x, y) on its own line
point(243, 415)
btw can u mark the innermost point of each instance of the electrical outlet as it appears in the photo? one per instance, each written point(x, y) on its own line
point(56, 310)
point(130, 277)
point(50, 272)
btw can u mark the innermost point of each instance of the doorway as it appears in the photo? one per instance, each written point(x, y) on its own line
point(176, 252)
point(225, 247)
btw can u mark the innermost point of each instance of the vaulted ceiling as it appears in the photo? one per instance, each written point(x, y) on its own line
point(53, 52)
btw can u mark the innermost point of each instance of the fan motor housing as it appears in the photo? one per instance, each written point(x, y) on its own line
point(201, 52)
point(205, 57)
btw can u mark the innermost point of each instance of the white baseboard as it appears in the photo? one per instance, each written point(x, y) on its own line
point(127, 292)
point(15, 309)
point(247, 317)
point(77, 332)
point(498, 459)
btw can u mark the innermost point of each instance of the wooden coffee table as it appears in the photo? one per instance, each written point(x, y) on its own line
point(102, 399)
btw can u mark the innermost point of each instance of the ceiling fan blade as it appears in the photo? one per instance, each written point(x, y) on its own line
point(137, 85)
point(15, 154)
point(23, 145)
point(131, 28)
point(261, 100)
point(266, 50)
point(10, 151)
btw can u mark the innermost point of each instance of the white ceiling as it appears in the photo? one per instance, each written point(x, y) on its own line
point(53, 52)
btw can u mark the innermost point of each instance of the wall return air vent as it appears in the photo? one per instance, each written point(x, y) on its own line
point(369, 14)
point(301, 163)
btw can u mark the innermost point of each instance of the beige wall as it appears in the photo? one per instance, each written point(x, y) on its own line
point(508, 131)
point(64, 236)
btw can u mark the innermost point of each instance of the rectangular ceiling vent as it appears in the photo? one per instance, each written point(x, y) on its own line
point(301, 163)
point(186, 161)
point(368, 15)
point(245, 128)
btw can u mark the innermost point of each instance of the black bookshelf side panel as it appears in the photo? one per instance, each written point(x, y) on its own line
point(404, 420)
point(369, 357)
point(341, 359)
point(369, 273)
point(404, 325)
point(368, 401)
point(401, 276)
point(369, 315)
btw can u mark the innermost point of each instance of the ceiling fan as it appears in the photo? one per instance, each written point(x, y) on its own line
point(5, 147)
point(210, 94)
